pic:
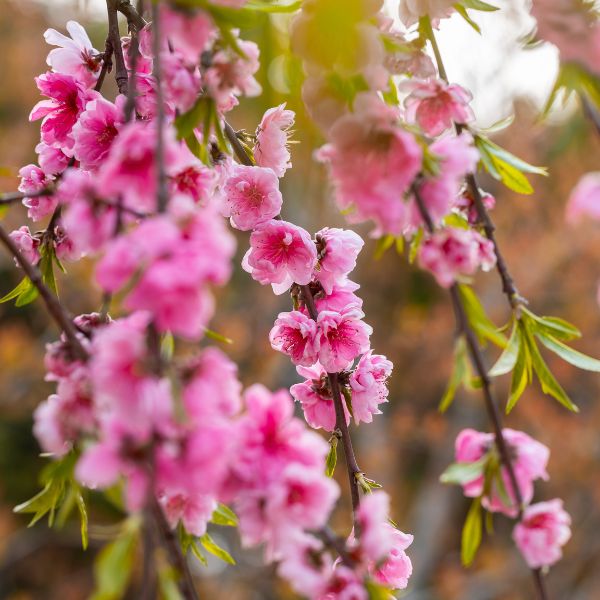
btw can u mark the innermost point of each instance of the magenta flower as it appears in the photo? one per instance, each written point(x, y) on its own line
point(252, 197)
point(452, 254)
point(342, 337)
point(68, 99)
point(96, 129)
point(435, 105)
point(295, 334)
point(74, 56)
point(280, 254)
point(542, 532)
point(338, 250)
point(342, 296)
point(529, 457)
point(51, 160)
point(272, 135)
point(368, 385)
point(181, 81)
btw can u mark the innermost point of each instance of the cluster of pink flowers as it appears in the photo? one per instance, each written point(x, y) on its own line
point(544, 527)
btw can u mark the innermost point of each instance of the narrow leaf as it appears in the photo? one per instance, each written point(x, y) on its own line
point(210, 546)
point(573, 357)
point(223, 515)
point(508, 358)
point(471, 533)
point(463, 473)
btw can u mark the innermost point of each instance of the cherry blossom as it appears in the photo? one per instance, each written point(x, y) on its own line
point(272, 136)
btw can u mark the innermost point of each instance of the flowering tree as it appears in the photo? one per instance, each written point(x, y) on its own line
point(142, 182)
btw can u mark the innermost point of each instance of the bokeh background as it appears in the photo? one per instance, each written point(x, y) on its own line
point(557, 267)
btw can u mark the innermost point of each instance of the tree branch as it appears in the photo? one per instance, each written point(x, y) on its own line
point(114, 36)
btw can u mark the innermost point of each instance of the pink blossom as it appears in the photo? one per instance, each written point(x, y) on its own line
point(34, 180)
point(280, 253)
point(338, 250)
point(74, 56)
point(542, 532)
point(146, 101)
point(295, 334)
point(272, 135)
point(412, 10)
point(457, 157)
point(342, 296)
point(212, 390)
point(372, 162)
point(397, 568)
point(27, 244)
point(585, 198)
point(88, 222)
point(368, 385)
point(345, 584)
point(314, 396)
point(68, 99)
point(64, 246)
point(252, 196)
point(96, 129)
point(342, 337)
point(181, 81)
point(231, 74)
point(52, 160)
point(194, 180)
point(376, 540)
point(530, 458)
point(144, 60)
point(189, 32)
point(193, 510)
point(435, 105)
point(452, 253)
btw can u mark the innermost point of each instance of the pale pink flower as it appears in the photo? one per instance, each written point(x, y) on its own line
point(372, 161)
point(529, 457)
point(342, 296)
point(26, 243)
point(89, 223)
point(181, 81)
point(280, 253)
point(144, 60)
point(51, 160)
point(342, 337)
point(368, 385)
point(194, 180)
point(344, 584)
point(315, 398)
point(295, 334)
point(64, 246)
point(188, 32)
point(338, 250)
point(96, 129)
point(585, 198)
point(457, 157)
point(146, 102)
point(435, 105)
point(542, 532)
point(452, 254)
point(397, 568)
point(68, 99)
point(231, 74)
point(376, 540)
point(252, 197)
point(272, 135)
point(412, 10)
point(192, 510)
point(212, 390)
point(74, 56)
point(34, 180)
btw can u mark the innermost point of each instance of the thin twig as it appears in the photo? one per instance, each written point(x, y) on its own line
point(13, 197)
point(240, 151)
point(106, 64)
point(463, 328)
point(55, 308)
point(135, 21)
point(121, 76)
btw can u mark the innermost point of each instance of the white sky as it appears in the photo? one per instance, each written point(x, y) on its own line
point(492, 65)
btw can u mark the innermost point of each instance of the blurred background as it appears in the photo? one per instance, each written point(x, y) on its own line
point(555, 266)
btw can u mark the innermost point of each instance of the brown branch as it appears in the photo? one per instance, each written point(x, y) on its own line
point(494, 415)
point(135, 21)
point(240, 151)
point(13, 197)
point(114, 36)
point(106, 64)
point(55, 308)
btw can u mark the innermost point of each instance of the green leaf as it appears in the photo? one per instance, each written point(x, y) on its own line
point(167, 581)
point(507, 360)
point(167, 346)
point(210, 546)
point(556, 327)
point(391, 94)
point(463, 473)
point(460, 9)
point(43, 502)
point(520, 377)
point(223, 515)
point(25, 290)
point(479, 321)
point(383, 244)
point(46, 267)
point(573, 357)
point(187, 122)
point(114, 564)
point(273, 6)
point(415, 244)
point(500, 125)
point(376, 591)
point(479, 5)
point(83, 519)
point(461, 372)
point(548, 382)
point(331, 459)
point(217, 337)
point(471, 533)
